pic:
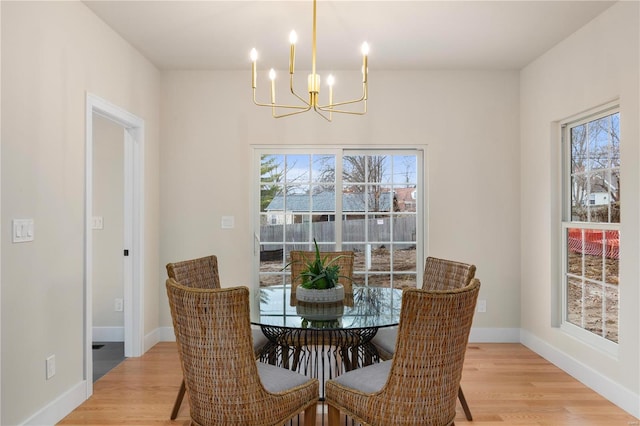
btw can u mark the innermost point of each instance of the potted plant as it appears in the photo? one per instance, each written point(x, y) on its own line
point(319, 279)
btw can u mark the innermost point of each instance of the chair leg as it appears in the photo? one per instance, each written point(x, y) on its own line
point(310, 415)
point(176, 405)
point(464, 404)
point(334, 416)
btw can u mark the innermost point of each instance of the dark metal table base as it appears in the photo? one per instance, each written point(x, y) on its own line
point(320, 353)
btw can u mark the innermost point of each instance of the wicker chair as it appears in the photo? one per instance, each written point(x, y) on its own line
point(439, 274)
point(420, 384)
point(202, 273)
point(344, 259)
point(196, 273)
point(226, 385)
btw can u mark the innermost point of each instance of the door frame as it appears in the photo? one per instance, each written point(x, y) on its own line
point(133, 135)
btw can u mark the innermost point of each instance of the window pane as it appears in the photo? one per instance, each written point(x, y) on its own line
point(404, 170)
point(574, 301)
point(578, 148)
point(404, 258)
point(379, 280)
point(593, 308)
point(404, 228)
point(297, 169)
point(354, 169)
point(353, 199)
point(323, 168)
point(404, 280)
point(379, 198)
point(378, 228)
point(592, 273)
point(595, 170)
point(611, 313)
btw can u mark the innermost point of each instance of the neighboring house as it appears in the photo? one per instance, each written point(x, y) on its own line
point(598, 198)
point(323, 204)
point(406, 199)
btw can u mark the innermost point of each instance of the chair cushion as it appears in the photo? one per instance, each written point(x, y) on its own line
point(385, 339)
point(278, 379)
point(369, 379)
point(259, 339)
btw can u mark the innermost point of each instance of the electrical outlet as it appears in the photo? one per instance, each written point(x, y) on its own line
point(118, 305)
point(482, 305)
point(51, 366)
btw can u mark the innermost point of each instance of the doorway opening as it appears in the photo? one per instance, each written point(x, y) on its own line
point(132, 254)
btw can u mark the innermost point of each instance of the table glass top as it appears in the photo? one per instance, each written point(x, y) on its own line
point(372, 307)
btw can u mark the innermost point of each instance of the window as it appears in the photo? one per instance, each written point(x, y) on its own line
point(591, 225)
point(365, 201)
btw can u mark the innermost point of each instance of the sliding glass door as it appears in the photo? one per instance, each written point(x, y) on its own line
point(361, 200)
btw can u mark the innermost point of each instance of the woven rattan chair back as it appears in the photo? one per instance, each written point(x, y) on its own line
point(443, 274)
point(422, 386)
point(344, 259)
point(213, 332)
point(196, 273)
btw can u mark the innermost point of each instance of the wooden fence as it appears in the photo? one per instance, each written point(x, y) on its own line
point(353, 233)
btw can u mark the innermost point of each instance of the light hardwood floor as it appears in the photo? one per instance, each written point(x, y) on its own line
point(505, 384)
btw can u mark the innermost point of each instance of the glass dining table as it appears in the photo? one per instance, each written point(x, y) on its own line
point(323, 340)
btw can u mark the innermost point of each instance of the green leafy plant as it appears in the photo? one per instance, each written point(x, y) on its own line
point(320, 273)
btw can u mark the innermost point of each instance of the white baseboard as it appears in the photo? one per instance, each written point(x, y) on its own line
point(60, 407)
point(614, 392)
point(166, 334)
point(151, 339)
point(107, 334)
point(494, 335)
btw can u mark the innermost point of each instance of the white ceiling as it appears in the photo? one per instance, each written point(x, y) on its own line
point(402, 34)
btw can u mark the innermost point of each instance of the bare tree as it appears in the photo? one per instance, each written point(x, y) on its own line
point(595, 166)
point(359, 172)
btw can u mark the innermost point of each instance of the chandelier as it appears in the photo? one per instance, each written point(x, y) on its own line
point(313, 84)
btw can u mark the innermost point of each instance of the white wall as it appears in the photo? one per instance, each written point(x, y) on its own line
point(595, 65)
point(467, 119)
point(52, 53)
point(108, 242)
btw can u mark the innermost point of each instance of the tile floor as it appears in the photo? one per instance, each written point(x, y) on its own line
point(106, 355)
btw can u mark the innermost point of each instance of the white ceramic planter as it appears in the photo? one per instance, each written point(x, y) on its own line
point(334, 294)
point(320, 311)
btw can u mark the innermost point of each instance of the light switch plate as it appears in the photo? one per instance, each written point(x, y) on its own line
point(97, 222)
point(22, 230)
point(228, 222)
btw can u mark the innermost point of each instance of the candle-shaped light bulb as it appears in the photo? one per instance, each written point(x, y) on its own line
point(365, 60)
point(365, 48)
point(330, 80)
point(272, 77)
point(293, 38)
point(254, 57)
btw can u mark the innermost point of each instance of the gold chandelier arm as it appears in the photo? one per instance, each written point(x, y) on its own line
point(331, 106)
point(293, 91)
point(304, 108)
point(274, 115)
point(341, 111)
